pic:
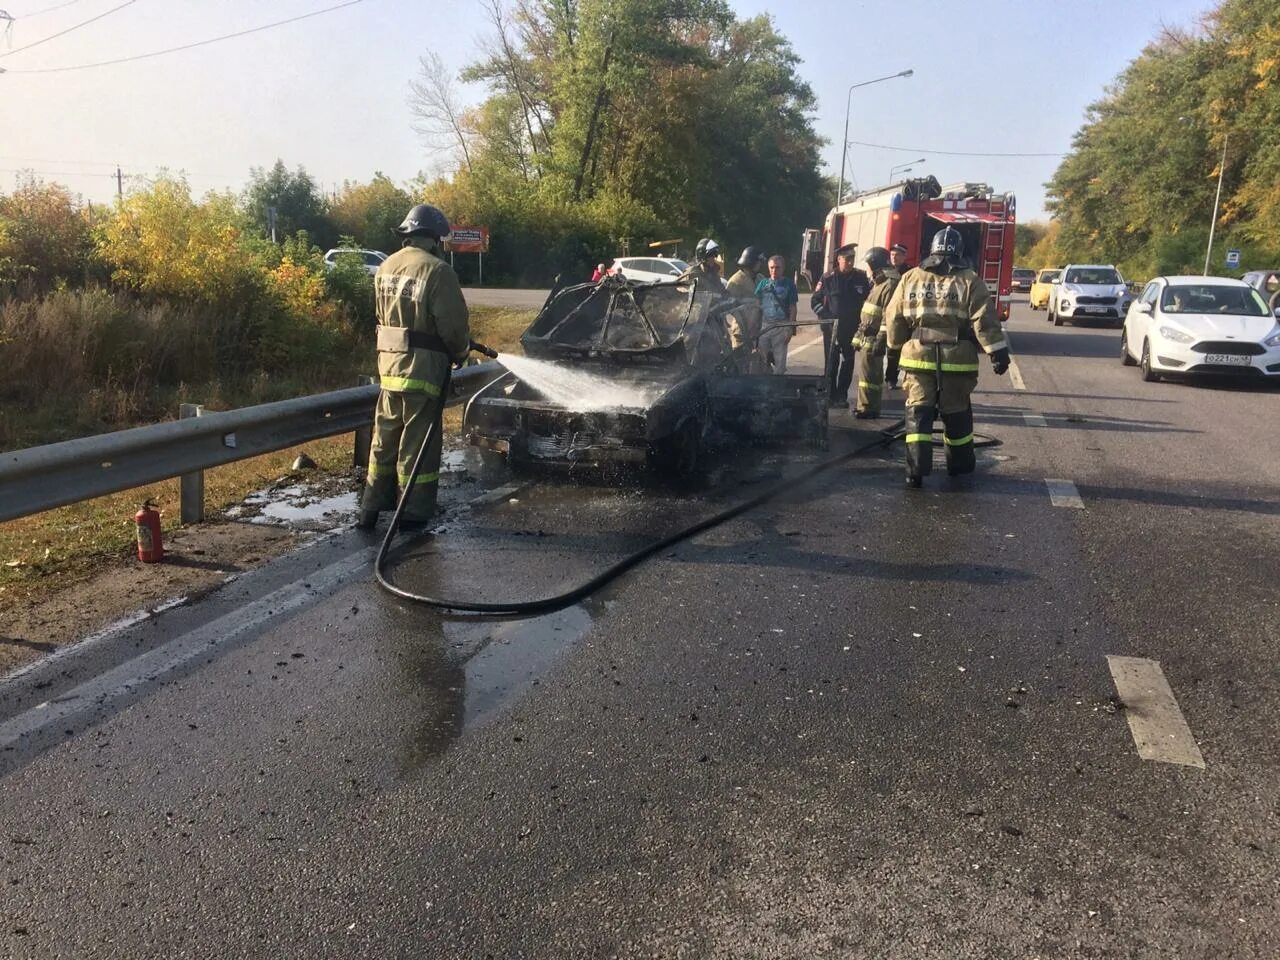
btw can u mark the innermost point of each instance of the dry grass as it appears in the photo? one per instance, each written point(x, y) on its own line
point(63, 546)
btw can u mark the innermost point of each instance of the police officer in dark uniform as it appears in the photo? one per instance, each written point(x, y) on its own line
point(839, 297)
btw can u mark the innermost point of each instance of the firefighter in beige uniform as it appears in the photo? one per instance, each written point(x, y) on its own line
point(422, 329)
point(745, 321)
point(940, 315)
point(871, 336)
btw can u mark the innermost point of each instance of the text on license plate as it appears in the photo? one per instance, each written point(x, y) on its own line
point(1230, 359)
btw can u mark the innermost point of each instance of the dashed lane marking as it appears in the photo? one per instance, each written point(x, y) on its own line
point(1063, 493)
point(1035, 420)
point(1159, 730)
point(1015, 376)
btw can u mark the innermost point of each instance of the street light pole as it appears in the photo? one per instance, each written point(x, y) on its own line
point(898, 166)
point(1222, 168)
point(848, 102)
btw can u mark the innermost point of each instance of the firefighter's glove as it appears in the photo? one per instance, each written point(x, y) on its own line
point(1000, 361)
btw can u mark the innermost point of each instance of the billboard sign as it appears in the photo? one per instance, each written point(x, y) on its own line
point(469, 240)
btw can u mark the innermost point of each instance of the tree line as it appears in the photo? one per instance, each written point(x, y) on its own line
point(612, 122)
point(1138, 186)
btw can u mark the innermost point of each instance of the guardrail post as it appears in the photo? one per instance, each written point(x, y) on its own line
point(191, 485)
point(364, 435)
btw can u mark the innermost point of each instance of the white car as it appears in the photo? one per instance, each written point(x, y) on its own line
point(647, 269)
point(1087, 291)
point(1216, 325)
point(372, 258)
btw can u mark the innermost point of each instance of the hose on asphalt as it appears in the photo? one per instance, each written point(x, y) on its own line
point(560, 600)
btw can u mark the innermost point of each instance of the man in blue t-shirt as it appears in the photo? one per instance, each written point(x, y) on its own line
point(778, 297)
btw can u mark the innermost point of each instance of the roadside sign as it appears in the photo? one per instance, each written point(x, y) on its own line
point(469, 239)
point(1233, 258)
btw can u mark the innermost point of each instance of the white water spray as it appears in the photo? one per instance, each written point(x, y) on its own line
point(578, 390)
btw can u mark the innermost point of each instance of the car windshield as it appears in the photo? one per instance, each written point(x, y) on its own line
point(1048, 276)
point(1213, 298)
point(1023, 274)
point(1093, 276)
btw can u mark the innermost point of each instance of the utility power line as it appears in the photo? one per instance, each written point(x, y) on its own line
point(36, 13)
point(189, 46)
point(73, 27)
point(952, 153)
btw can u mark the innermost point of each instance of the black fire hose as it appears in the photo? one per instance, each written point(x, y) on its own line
point(614, 570)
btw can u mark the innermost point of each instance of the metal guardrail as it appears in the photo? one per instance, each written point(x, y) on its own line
point(41, 478)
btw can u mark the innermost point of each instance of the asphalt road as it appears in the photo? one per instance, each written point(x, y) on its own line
point(858, 721)
point(513, 299)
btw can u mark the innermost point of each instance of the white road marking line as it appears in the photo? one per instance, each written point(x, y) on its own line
point(1035, 420)
point(1159, 730)
point(149, 667)
point(804, 346)
point(1015, 376)
point(1063, 493)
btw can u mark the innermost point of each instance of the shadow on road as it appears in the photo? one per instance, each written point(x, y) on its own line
point(985, 413)
point(1055, 343)
point(1069, 396)
point(1220, 499)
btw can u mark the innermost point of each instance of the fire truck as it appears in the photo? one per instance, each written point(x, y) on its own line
point(910, 213)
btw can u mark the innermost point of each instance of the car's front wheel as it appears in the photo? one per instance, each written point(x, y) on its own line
point(1057, 319)
point(1149, 374)
point(1125, 357)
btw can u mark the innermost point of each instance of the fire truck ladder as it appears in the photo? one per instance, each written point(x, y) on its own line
point(993, 249)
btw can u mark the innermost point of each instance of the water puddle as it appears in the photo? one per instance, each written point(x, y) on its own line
point(300, 506)
point(511, 659)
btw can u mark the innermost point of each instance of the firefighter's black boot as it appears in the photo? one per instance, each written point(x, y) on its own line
point(367, 520)
point(958, 437)
point(919, 439)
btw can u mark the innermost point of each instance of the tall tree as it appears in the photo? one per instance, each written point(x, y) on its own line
point(1139, 184)
point(296, 198)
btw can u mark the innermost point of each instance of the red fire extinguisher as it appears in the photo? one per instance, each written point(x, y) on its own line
point(150, 546)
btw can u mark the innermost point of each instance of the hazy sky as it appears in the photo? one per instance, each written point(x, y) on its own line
point(329, 92)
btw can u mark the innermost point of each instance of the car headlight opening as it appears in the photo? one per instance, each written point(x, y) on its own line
point(1272, 341)
point(1177, 336)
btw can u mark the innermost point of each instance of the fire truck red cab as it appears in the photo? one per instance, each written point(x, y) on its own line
point(910, 213)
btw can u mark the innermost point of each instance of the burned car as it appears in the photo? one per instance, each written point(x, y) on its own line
point(626, 372)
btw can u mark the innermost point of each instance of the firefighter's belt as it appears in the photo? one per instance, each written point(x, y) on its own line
point(402, 340)
point(930, 336)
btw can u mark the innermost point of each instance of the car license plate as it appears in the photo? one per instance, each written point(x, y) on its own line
point(1227, 359)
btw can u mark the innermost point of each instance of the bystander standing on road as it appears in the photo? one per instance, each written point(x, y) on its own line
point(599, 272)
point(778, 298)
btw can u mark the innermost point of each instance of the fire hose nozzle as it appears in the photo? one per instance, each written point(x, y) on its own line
point(480, 348)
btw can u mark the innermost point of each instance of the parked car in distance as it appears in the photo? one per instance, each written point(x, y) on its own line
point(1089, 291)
point(1022, 278)
point(646, 269)
point(372, 258)
point(1042, 287)
point(1194, 325)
